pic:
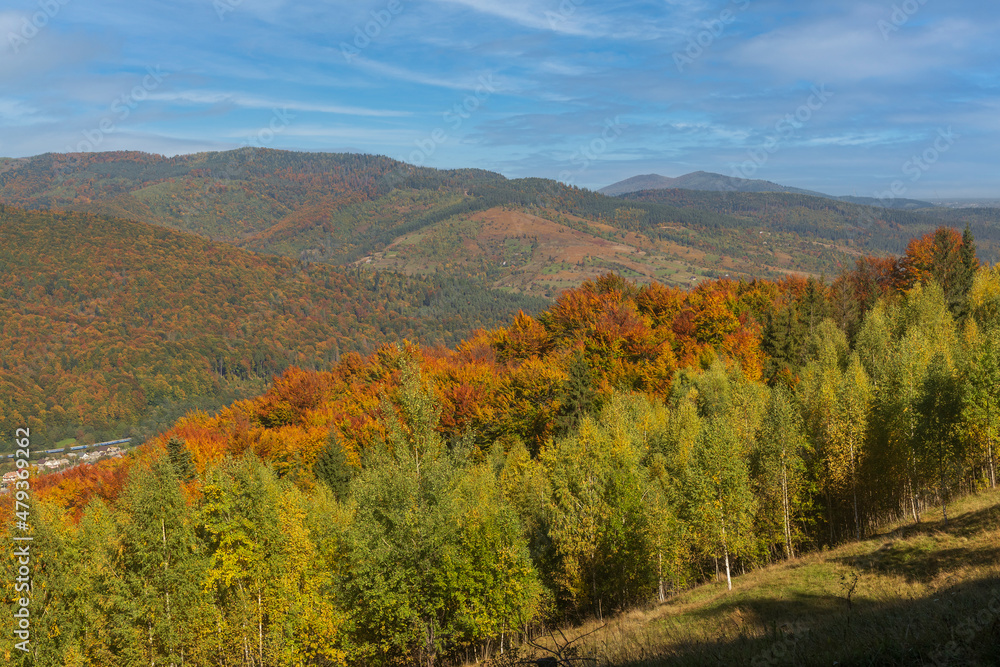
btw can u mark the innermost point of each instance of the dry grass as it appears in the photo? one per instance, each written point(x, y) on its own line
point(918, 594)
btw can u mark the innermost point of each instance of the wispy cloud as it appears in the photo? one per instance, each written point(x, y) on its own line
point(565, 17)
point(205, 97)
point(562, 67)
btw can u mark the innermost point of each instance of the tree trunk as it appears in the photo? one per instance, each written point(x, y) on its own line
point(829, 514)
point(854, 483)
point(913, 477)
point(989, 459)
point(430, 645)
point(989, 442)
point(729, 579)
point(944, 496)
point(659, 575)
point(786, 511)
point(725, 551)
point(593, 592)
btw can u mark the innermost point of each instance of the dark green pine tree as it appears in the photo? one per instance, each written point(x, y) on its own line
point(333, 469)
point(966, 273)
point(813, 307)
point(782, 340)
point(180, 459)
point(577, 397)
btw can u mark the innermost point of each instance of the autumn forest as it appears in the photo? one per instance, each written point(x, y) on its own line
point(347, 466)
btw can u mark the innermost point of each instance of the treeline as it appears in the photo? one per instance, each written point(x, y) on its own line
point(873, 228)
point(109, 325)
point(427, 505)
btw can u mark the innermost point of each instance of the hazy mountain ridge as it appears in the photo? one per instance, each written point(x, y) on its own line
point(703, 180)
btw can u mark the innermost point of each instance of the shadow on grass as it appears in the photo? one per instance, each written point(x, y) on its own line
point(969, 524)
point(917, 563)
point(959, 625)
point(922, 560)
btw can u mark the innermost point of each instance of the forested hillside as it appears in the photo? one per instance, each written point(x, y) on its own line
point(426, 505)
point(112, 328)
point(849, 225)
point(528, 235)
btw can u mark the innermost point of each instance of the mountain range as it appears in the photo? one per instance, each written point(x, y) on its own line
point(532, 236)
point(703, 180)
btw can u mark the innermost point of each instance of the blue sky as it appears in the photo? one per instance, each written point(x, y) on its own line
point(844, 97)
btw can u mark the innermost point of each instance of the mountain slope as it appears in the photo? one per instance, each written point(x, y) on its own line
point(842, 224)
point(703, 180)
point(700, 180)
point(636, 183)
point(109, 326)
point(358, 210)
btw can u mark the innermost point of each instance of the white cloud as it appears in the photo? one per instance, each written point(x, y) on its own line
point(563, 18)
point(252, 102)
point(852, 49)
point(16, 112)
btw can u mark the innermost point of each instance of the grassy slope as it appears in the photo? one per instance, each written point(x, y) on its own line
point(926, 594)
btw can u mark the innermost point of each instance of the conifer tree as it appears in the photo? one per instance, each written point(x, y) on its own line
point(333, 468)
point(180, 458)
point(578, 395)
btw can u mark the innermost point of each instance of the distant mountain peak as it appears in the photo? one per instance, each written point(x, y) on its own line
point(706, 180)
point(700, 180)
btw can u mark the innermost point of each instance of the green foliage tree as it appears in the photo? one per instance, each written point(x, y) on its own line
point(608, 551)
point(434, 560)
point(162, 564)
point(940, 453)
point(333, 468)
point(577, 397)
point(849, 431)
point(778, 471)
point(981, 397)
point(180, 459)
point(719, 498)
